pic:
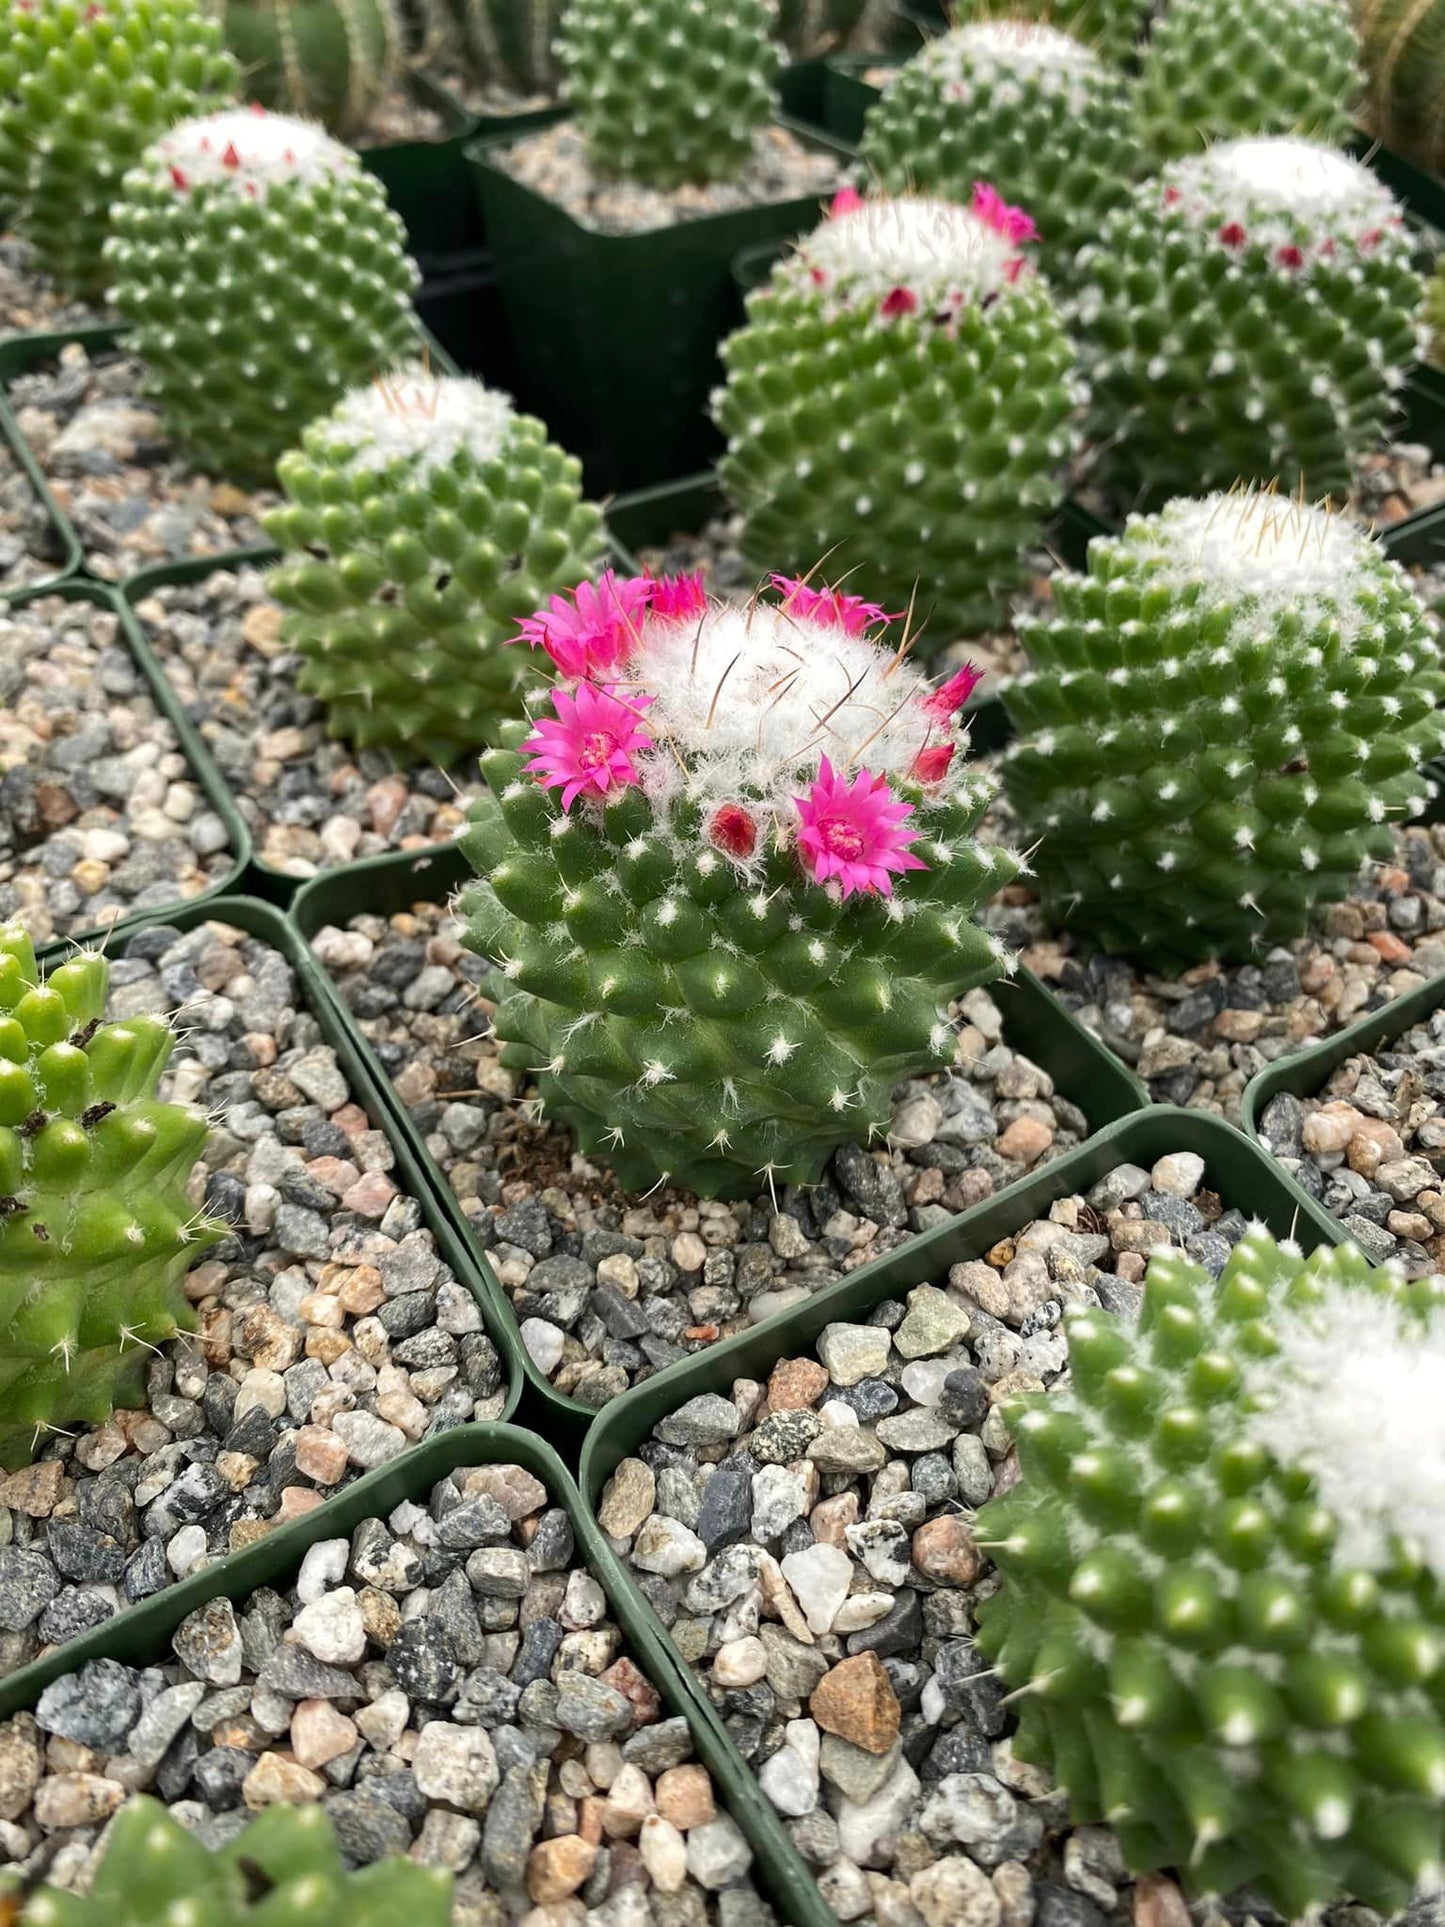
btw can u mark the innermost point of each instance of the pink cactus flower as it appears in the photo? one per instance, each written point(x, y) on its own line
point(931, 763)
point(830, 606)
point(898, 301)
point(854, 832)
point(587, 748)
point(734, 829)
point(1011, 222)
point(677, 598)
point(591, 631)
point(846, 201)
point(1232, 235)
point(954, 693)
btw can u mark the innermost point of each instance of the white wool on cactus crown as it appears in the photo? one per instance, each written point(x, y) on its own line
point(1283, 174)
point(415, 414)
point(1025, 48)
point(933, 247)
point(247, 150)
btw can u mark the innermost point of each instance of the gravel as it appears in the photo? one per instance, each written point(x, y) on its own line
point(330, 1335)
point(447, 1682)
point(32, 547)
point(30, 301)
point(101, 814)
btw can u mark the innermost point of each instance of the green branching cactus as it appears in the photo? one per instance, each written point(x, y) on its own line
point(262, 274)
point(328, 60)
point(1218, 726)
point(1251, 312)
point(96, 1233)
point(1402, 43)
point(903, 400)
point(284, 1870)
point(670, 91)
point(1017, 104)
point(1223, 1603)
point(1112, 28)
point(425, 518)
point(740, 921)
point(85, 87)
point(1216, 68)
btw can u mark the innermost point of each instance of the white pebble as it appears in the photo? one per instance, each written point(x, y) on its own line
point(186, 1550)
point(545, 1344)
point(742, 1662)
point(324, 1566)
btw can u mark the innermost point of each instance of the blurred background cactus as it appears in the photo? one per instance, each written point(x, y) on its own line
point(810, 28)
point(327, 60)
point(1403, 47)
point(506, 45)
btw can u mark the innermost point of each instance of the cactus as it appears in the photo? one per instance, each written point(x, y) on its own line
point(509, 45)
point(1112, 28)
point(85, 86)
point(283, 1870)
point(95, 1230)
point(669, 92)
point(739, 923)
point(1402, 43)
point(262, 274)
point(809, 28)
point(1223, 1566)
point(425, 519)
point(328, 60)
point(1433, 316)
point(902, 399)
point(1251, 312)
point(1020, 105)
point(1218, 725)
point(1216, 68)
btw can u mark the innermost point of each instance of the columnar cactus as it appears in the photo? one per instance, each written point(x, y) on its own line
point(1216, 68)
point(85, 86)
point(727, 878)
point(1250, 312)
point(328, 60)
point(262, 274)
point(1218, 726)
point(96, 1233)
point(508, 44)
point(902, 399)
point(283, 1870)
point(1402, 43)
point(1021, 105)
point(1223, 1602)
point(669, 92)
point(425, 518)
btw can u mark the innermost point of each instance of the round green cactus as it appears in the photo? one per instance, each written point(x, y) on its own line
point(902, 400)
point(328, 60)
point(85, 87)
point(284, 1870)
point(1112, 28)
point(1251, 313)
point(739, 923)
point(96, 1233)
point(1216, 68)
point(262, 274)
point(669, 92)
point(1223, 1599)
point(1219, 725)
point(1022, 106)
point(1402, 43)
point(424, 519)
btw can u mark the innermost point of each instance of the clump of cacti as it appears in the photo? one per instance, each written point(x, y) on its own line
point(1402, 44)
point(1018, 104)
point(96, 1233)
point(424, 519)
point(1218, 726)
point(727, 877)
point(902, 399)
point(261, 274)
point(1223, 1602)
point(668, 92)
point(1251, 312)
point(283, 1870)
point(85, 87)
point(329, 60)
point(1216, 68)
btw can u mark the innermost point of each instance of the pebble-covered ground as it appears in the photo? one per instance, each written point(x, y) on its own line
point(447, 1682)
point(330, 1334)
point(30, 302)
point(608, 1287)
point(808, 1541)
point(101, 815)
point(32, 548)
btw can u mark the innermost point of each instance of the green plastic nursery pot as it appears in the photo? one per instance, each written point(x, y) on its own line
point(615, 335)
point(847, 95)
point(425, 180)
point(13, 360)
point(460, 306)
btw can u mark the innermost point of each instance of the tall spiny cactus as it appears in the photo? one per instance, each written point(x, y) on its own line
point(327, 60)
point(1403, 47)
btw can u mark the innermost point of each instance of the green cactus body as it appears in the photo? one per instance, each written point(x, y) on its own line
point(703, 956)
point(424, 519)
point(85, 86)
point(1216, 68)
point(328, 60)
point(669, 92)
point(284, 1870)
point(1218, 726)
point(1021, 106)
point(1250, 314)
point(508, 44)
point(902, 400)
point(262, 274)
point(1223, 1600)
point(1402, 43)
point(96, 1233)
point(1112, 28)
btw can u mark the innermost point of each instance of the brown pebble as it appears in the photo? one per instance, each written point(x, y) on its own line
point(943, 1550)
point(856, 1701)
point(557, 1868)
point(684, 1796)
point(796, 1384)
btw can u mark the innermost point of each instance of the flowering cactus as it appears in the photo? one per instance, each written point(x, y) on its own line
point(262, 274)
point(902, 399)
point(1223, 1601)
point(726, 878)
point(1251, 312)
point(325, 59)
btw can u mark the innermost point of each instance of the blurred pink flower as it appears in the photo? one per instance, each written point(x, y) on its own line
point(1011, 222)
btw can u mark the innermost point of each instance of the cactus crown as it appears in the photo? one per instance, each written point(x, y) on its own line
point(932, 250)
point(1256, 554)
point(245, 152)
point(422, 419)
point(1277, 185)
point(997, 51)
